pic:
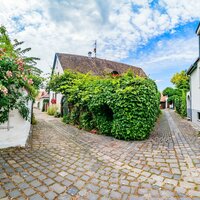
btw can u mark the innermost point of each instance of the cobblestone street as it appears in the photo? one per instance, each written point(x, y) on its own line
point(63, 162)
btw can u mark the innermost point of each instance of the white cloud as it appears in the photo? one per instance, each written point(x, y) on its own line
point(50, 26)
point(170, 52)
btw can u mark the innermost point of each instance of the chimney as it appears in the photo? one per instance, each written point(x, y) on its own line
point(198, 33)
point(89, 54)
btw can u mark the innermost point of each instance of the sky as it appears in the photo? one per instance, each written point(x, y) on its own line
point(156, 35)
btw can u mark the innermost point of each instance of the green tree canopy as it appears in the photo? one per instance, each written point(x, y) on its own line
point(19, 78)
point(177, 95)
point(181, 80)
point(13, 50)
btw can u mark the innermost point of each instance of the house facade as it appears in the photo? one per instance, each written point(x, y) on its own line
point(163, 102)
point(193, 96)
point(15, 132)
point(84, 64)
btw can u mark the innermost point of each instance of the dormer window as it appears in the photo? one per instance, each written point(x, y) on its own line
point(114, 72)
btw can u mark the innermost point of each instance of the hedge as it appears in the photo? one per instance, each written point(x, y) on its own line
point(125, 107)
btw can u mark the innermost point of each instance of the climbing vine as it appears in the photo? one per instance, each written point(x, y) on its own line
point(19, 79)
point(125, 107)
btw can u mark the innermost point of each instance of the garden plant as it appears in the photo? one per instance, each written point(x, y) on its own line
point(125, 107)
point(19, 78)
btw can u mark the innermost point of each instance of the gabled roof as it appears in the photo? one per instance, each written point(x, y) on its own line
point(193, 67)
point(96, 66)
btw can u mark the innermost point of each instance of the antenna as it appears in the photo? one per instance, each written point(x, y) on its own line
point(95, 48)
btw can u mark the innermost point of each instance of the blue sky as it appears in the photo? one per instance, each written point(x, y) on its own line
point(156, 35)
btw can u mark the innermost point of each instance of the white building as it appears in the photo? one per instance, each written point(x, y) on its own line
point(193, 97)
point(16, 130)
point(84, 64)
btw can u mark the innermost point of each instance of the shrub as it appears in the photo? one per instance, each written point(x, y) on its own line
point(86, 120)
point(66, 119)
point(33, 120)
point(52, 110)
point(57, 114)
point(183, 104)
point(125, 107)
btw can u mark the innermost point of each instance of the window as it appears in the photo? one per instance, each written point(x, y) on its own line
point(114, 72)
point(198, 115)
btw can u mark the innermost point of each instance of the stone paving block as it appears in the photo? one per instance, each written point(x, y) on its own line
point(2, 193)
point(51, 195)
point(67, 183)
point(17, 179)
point(23, 185)
point(79, 184)
point(48, 181)
point(71, 177)
point(36, 197)
point(58, 188)
point(142, 191)
point(43, 189)
point(167, 175)
point(125, 189)
point(29, 178)
point(42, 177)
point(187, 185)
point(9, 186)
point(157, 178)
point(92, 187)
point(29, 191)
point(64, 197)
point(35, 183)
point(115, 195)
point(92, 196)
point(63, 174)
point(104, 192)
point(194, 193)
point(103, 184)
point(59, 179)
point(146, 174)
point(171, 181)
point(85, 178)
point(14, 194)
point(72, 191)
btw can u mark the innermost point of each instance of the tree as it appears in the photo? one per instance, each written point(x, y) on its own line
point(181, 80)
point(13, 50)
point(177, 95)
point(169, 91)
point(19, 78)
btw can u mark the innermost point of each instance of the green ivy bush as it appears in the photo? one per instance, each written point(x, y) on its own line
point(125, 107)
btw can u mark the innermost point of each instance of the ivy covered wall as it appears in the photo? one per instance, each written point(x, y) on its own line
point(125, 107)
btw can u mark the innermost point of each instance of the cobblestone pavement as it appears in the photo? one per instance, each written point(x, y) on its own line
point(66, 163)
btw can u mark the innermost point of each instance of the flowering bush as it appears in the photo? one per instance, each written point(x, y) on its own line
point(15, 87)
point(19, 78)
point(53, 101)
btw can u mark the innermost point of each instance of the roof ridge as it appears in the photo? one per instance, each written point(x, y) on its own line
point(98, 66)
point(92, 58)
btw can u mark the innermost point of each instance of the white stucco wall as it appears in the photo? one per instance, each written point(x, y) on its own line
point(19, 130)
point(195, 93)
point(58, 70)
point(41, 102)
